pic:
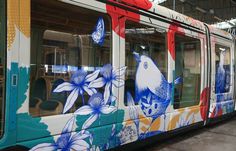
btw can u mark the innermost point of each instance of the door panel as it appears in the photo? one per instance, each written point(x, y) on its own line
point(222, 78)
point(189, 102)
point(144, 53)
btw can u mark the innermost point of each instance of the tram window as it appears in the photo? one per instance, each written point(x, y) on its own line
point(2, 62)
point(144, 40)
point(222, 68)
point(63, 49)
point(188, 67)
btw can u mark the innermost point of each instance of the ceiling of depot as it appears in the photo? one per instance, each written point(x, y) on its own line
point(208, 11)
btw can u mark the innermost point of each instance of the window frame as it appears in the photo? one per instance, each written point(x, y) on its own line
point(89, 8)
point(3, 38)
point(160, 28)
point(231, 66)
point(201, 69)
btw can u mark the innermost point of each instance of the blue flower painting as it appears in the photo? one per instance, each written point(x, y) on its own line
point(133, 109)
point(96, 106)
point(98, 34)
point(67, 141)
point(109, 77)
point(78, 85)
point(220, 74)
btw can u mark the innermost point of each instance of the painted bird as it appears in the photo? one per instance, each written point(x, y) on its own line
point(153, 91)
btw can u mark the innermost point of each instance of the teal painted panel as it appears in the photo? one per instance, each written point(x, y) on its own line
point(108, 119)
point(23, 85)
point(32, 143)
point(30, 128)
point(102, 136)
point(9, 136)
point(105, 130)
point(13, 97)
point(120, 116)
point(80, 120)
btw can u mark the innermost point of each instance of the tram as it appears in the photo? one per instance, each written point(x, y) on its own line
point(96, 75)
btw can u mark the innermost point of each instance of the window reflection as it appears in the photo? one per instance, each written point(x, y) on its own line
point(62, 47)
point(222, 64)
point(188, 67)
point(144, 40)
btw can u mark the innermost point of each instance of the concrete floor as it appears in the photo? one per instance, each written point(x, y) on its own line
point(220, 137)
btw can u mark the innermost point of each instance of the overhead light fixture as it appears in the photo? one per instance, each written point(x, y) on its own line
point(143, 47)
point(225, 24)
point(158, 1)
point(217, 18)
point(200, 9)
point(222, 49)
point(233, 1)
point(211, 11)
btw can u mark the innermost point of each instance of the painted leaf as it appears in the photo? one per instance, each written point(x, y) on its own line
point(71, 100)
point(81, 135)
point(44, 146)
point(65, 86)
point(107, 92)
point(108, 109)
point(80, 145)
point(90, 121)
point(92, 76)
point(98, 83)
point(84, 110)
point(90, 91)
point(69, 125)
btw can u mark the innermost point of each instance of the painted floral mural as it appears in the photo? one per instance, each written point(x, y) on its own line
point(67, 141)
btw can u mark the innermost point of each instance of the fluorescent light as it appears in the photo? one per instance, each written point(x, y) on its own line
point(211, 11)
point(225, 24)
point(158, 1)
point(200, 9)
point(222, 49)
point(217, 18)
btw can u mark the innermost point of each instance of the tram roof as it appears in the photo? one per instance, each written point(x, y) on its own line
point(153, 8)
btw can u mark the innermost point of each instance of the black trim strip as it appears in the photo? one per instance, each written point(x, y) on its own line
point(212, 121)
point(209, 70)
point(221, 36)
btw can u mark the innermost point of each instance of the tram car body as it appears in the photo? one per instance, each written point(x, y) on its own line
point(95, 75)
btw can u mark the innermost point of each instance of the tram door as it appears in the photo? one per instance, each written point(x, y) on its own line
point(222, 77)
point(142, 46)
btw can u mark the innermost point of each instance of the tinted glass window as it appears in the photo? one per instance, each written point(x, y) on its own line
point(222, 64)
point(142, 40)
point(68, 43)
point(2, 62)
point(187, 67)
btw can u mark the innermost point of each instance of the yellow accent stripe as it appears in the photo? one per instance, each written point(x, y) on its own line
point(18, 16)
